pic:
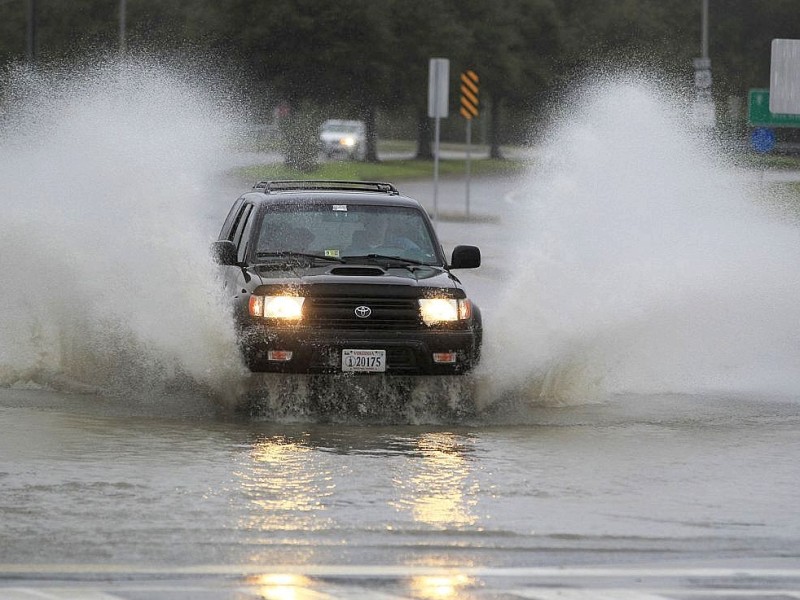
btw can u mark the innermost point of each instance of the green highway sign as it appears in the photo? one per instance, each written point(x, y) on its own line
point(758, 114)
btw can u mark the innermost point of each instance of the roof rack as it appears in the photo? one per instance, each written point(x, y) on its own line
point(283, 185)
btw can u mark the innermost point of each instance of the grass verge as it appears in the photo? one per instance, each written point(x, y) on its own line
point(772, 161)
point(394, 170)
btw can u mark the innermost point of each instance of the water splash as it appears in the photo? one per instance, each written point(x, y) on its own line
point(104, 179)
point(651, 262)
point(363, 399)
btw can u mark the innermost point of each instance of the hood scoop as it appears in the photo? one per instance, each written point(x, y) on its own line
point(357, 271)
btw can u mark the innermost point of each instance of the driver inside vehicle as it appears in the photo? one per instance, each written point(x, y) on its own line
point(379, 233)
point(282, 237)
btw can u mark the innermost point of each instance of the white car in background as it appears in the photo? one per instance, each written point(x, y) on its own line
point(343, 139)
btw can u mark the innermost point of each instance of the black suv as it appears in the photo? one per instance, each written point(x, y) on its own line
point(345, 276)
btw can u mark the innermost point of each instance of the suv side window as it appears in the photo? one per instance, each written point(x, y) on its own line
point(241, 220)
point(243, 232)
point(236, 231)
point(231, 220)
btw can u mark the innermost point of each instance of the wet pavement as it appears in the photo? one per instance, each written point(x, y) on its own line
point(662, 493)
point(167, 493)
point(637, 433)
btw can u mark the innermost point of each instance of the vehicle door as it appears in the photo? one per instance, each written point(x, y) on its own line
point(235, 277)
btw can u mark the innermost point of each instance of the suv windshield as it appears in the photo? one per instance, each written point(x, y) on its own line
point(348, 232)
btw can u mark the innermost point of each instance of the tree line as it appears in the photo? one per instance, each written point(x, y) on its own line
point(361, 57)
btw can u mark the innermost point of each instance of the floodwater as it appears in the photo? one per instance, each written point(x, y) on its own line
point(638, 406)
point(90, 490)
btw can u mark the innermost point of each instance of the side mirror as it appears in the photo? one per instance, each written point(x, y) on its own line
point(224, 252)
point(465, 257)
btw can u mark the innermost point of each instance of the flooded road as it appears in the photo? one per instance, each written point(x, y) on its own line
point(94, 489)
point(638, 425)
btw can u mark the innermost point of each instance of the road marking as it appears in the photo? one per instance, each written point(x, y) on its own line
point(552, 594)
point(393, 571)
point(362, 593)
point(732, 593)
point(22, 594)
point(353, 592)
point(53, 594)
point(647, 594)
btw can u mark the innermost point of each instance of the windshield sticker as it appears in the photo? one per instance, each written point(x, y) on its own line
point(334, 253)
point(340, 207)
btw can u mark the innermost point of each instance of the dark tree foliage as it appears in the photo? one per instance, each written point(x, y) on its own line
point(423, 29)
point(353, 58)
point(741, 39)
point(513, 52)
point(337, 54)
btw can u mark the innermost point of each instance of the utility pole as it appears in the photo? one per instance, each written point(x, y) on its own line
point(704, 41)
point(32, 24)
point(704, 113)
point(122, 27)
point(438, 90)
point(469, 109)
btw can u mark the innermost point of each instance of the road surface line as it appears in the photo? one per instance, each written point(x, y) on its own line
point(589, 594)
point(350, 592)
point(646, 594)
point(362, 593)
point(731, 593)
point(391, 571)
point(23, 594)
point(50, 594)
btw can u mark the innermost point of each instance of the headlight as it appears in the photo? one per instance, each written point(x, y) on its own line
point(442, 310)
point(277, 307)
point(348, 141)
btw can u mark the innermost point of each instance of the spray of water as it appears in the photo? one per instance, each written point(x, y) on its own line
point(104, 178)
point(107, 181)
point(651, 263)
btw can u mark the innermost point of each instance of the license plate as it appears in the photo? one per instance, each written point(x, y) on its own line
point(363, 361)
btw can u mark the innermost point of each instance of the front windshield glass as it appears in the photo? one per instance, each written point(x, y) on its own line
point(345, 231)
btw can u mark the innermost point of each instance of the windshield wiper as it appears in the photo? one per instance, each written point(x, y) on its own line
point(400, 259)
point(292, 254)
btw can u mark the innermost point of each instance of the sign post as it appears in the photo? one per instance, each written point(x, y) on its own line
point(438, 96)
point(704, 113)
point(469, 109)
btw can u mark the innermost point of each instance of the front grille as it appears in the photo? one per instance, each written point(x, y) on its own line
point(340, 313)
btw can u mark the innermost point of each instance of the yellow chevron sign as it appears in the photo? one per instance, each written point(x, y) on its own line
point(469, 94)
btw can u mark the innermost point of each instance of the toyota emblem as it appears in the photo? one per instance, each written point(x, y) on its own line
point(362, 312)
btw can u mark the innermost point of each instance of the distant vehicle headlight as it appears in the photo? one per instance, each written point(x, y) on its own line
point(443, 310)
point(348, 141)
point(289, 308)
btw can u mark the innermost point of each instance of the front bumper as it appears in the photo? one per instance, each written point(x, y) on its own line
point(320, 351)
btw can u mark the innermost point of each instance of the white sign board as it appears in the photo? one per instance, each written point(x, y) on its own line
point(784, 77)
point(438, 87)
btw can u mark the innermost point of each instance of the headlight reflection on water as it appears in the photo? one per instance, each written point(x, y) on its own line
point(287, 586)
point(280, 586)
point(440, 587)
point(284, 481)
point(289, 489)
point(441, 490)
